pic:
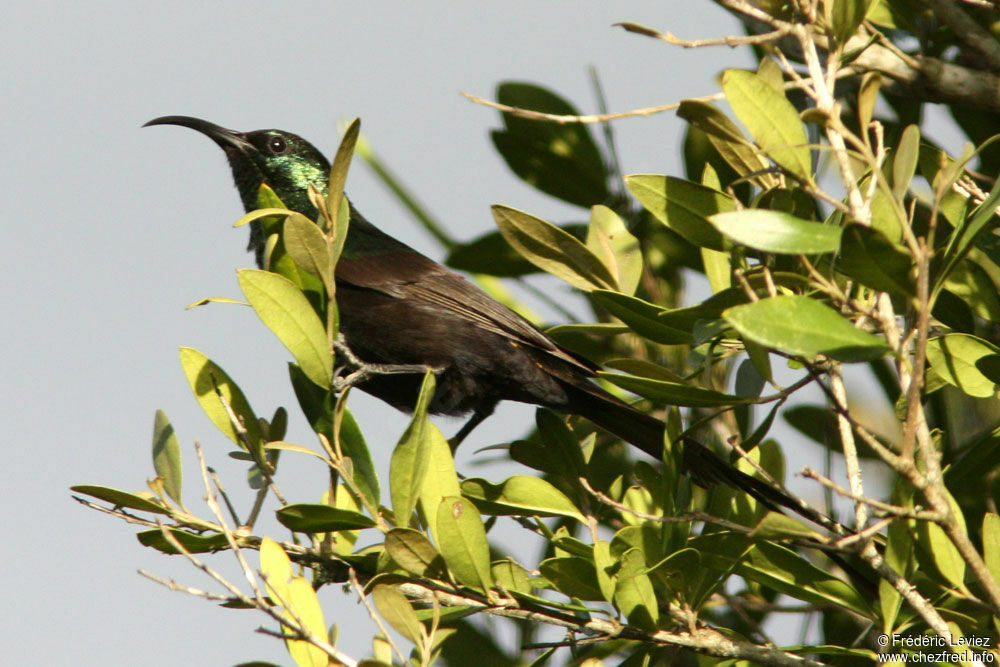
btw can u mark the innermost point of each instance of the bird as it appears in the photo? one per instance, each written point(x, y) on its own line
point(399, 308)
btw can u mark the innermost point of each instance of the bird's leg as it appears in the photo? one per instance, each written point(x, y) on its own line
point(362, 370)
point(475, 420)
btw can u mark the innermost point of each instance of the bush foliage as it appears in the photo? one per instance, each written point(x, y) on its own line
point(832, 230)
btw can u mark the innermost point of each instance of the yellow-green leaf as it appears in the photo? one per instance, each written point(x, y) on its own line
point(204, 376)
point(462, 541)
point(286, 311)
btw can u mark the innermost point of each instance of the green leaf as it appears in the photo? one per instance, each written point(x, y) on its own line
point(904, 165)
point(604, 563)
point(491, 254)
point(520, 495)
point(551, 249)
point(353, 445)
point(846, 16)
point(682, 206)
point(440, 480)
point(120, 498)
point(776, 525)
point(307, 247)
point(167, 455)
point(778, 232)
point(991, 543)
point(972, 283)
point(276, 568)
point(970, 229)
point(830, 649)
point(671, 393)
point(511, 576)
point(728, 140)
point(561, 160)
point(804, 326)
point(195, 544)
point(718, 269)
point(943, 552)
point(395, 608)
point(564, 446)
point(413, 552)
point(409, 462)
point(462, 540)
point(315, 518)
point(771, 119)
point(614, 245)
point(634, 594)
point(204, 376)
point(303, 603)
point(867, 256)
point(286, 311)
point(338, 174)
point(955, 358)
point(779, 568)
point(642, 317)
point(572, 576)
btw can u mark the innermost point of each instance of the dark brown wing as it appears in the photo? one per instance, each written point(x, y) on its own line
point(410, 276)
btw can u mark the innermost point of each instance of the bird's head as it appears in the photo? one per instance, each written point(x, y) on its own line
point(284, 161)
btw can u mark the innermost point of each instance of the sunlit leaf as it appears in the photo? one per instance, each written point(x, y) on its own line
point(800, 325)
point(286, 311)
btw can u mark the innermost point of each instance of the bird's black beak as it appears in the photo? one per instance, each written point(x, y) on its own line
point(225, 138)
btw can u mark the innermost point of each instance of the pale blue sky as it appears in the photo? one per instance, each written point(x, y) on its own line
point(112, 230)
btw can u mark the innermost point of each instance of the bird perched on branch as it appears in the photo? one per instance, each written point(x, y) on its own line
point(399, 308)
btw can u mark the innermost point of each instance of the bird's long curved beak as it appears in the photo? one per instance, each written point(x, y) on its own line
point(224, 137)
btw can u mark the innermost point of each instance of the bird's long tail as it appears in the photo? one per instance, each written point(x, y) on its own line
point(705, 466)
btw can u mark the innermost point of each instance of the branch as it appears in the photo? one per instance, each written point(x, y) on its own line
point(702, 640)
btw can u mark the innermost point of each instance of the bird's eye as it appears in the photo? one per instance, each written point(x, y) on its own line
point(277, 145)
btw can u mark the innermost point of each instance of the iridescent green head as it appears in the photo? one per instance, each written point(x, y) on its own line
point(285, 161)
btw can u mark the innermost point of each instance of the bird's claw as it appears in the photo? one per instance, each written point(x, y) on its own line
point(358, 371)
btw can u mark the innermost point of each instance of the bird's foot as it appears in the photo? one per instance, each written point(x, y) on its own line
point(359, 371)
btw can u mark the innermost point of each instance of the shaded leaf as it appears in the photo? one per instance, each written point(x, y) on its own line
point(167, 455)
point(727, 139)
point(671, 393)
point(642, 317)
point(551, 249)
point(870, 258)
point(316, 518)
point(194, 543)
point(120, 498)
point(413, 552)
point(511, 576)
point(559, 159)
point(572, 576)
point(395, 608)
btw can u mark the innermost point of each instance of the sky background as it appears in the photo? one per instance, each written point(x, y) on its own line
point(114, 229)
